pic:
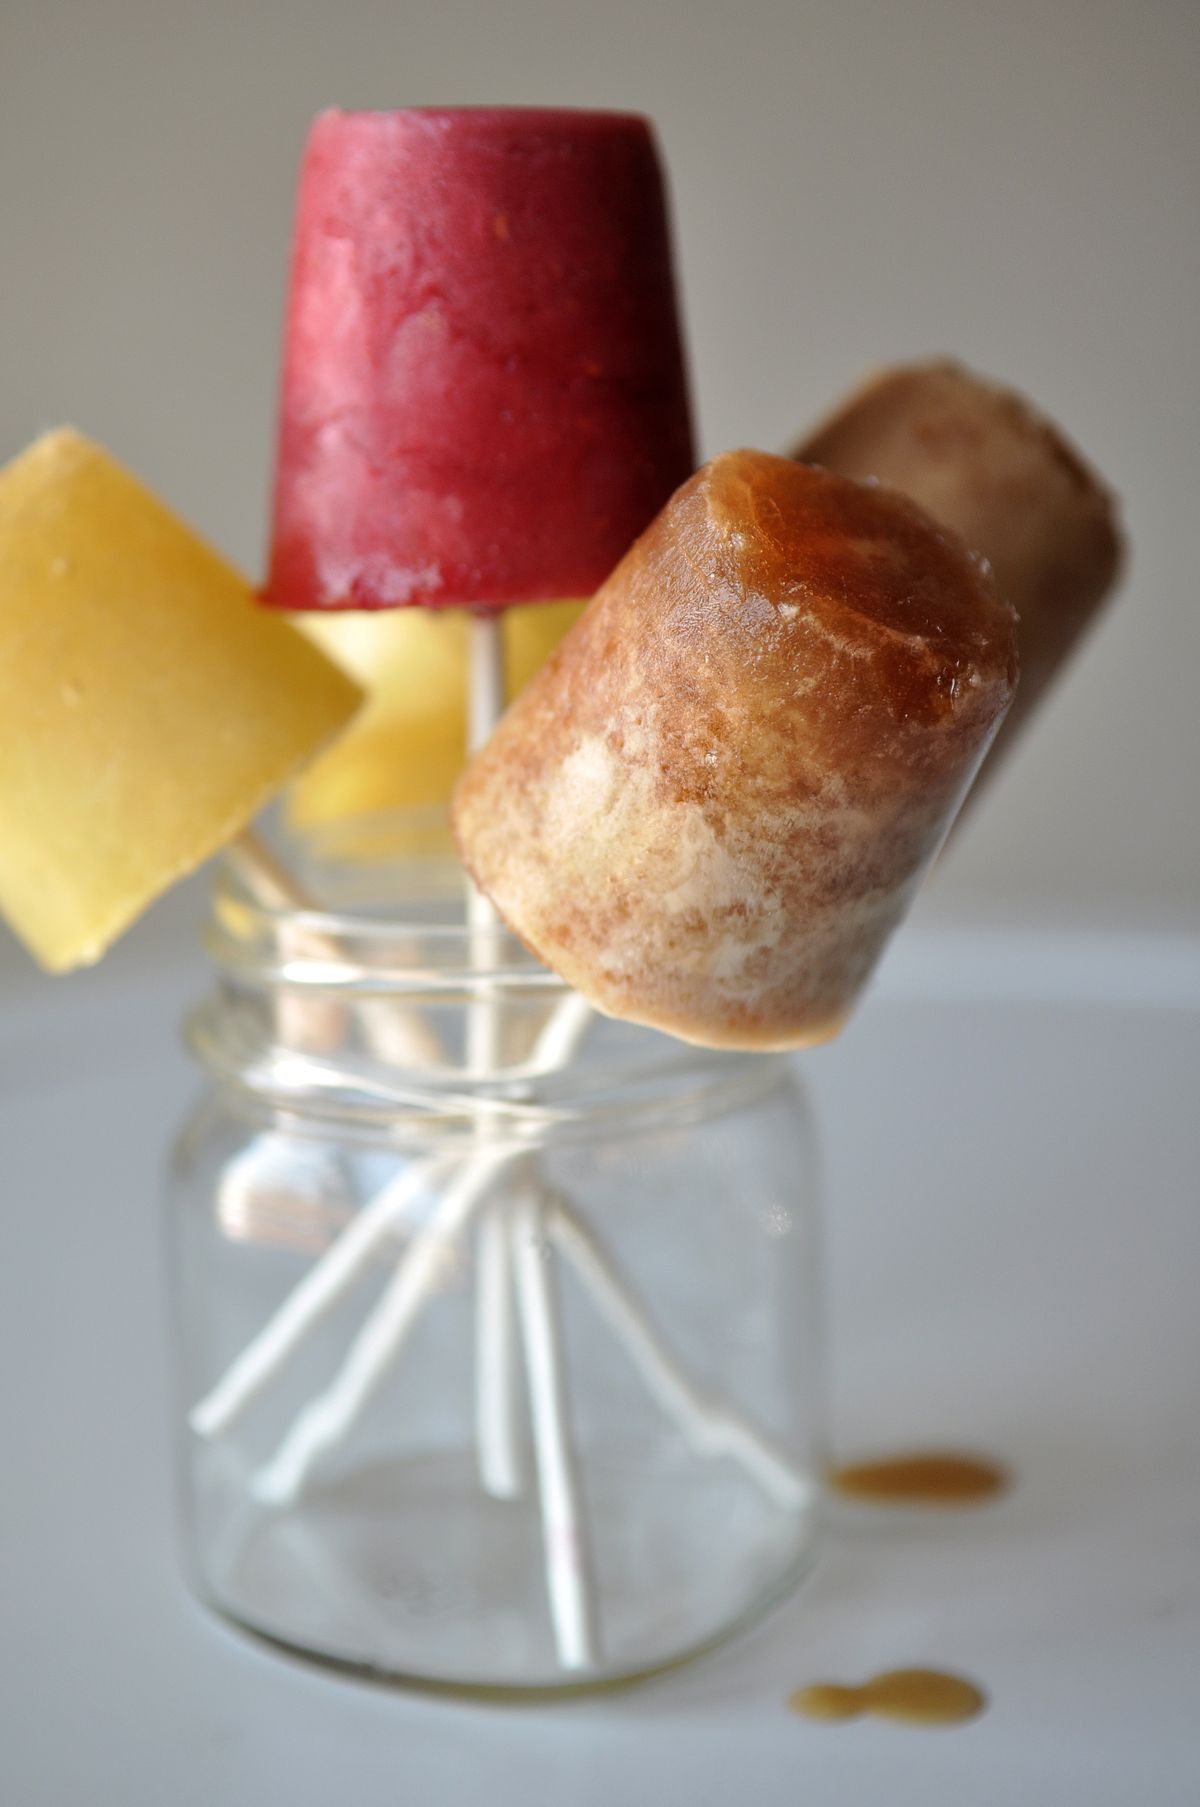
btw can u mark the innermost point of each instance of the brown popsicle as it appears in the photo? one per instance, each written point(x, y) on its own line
point(984, 462)
point(712, 806)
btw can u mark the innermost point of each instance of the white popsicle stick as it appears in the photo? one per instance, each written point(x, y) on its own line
point(570, 1580)
point(497, 1399)
point(327, 1418)
point(711, 1427)
point(313, 1299)
point(565, 1028)
point(337, 1268)
point(485, 706)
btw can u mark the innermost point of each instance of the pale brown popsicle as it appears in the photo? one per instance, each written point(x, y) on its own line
point(985, 462)
point(712, 806)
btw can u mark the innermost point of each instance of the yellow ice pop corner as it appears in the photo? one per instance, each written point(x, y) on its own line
point(148, 705)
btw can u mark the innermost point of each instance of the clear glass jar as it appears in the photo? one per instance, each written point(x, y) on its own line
point(498, 1323)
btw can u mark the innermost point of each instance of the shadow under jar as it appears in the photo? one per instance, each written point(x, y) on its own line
point(498, 1323)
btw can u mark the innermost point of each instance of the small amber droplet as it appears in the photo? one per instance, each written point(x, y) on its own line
point(827, 1700)
point(909, 1696)
point(923, 1478)
point(923, 1697)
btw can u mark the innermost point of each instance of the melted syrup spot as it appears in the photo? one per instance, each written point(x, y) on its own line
point(934, 1478)
point(910, 1696)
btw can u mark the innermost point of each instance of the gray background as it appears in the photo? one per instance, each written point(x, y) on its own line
point(854, 183)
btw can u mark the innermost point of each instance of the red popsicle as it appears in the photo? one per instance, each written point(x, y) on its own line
point(484, 398)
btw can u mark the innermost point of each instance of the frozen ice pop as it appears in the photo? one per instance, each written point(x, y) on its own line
point(713, 805)
point(149, 707)
point(483, 402)
point(985, 462)
point(483, 393)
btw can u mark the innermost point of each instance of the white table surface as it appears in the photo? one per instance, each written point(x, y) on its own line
point(1012, 1130)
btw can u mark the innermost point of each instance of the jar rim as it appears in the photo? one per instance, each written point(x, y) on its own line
point(690, 1085)
point(360, 1008)
point(416, 940)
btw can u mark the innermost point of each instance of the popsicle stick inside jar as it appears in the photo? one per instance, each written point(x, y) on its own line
point(497, 1378)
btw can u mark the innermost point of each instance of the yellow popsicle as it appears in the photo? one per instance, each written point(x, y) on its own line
point(408, 744)
point(148, 706)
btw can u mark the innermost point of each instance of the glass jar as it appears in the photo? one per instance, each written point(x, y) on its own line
point(498, 1322)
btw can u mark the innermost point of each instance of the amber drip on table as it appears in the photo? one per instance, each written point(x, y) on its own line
point(933, 1478)
point(911, 1696)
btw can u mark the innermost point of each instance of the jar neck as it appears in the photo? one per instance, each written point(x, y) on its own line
point(386, 1006)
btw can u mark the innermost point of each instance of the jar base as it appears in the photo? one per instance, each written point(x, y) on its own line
point(407, 1573)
